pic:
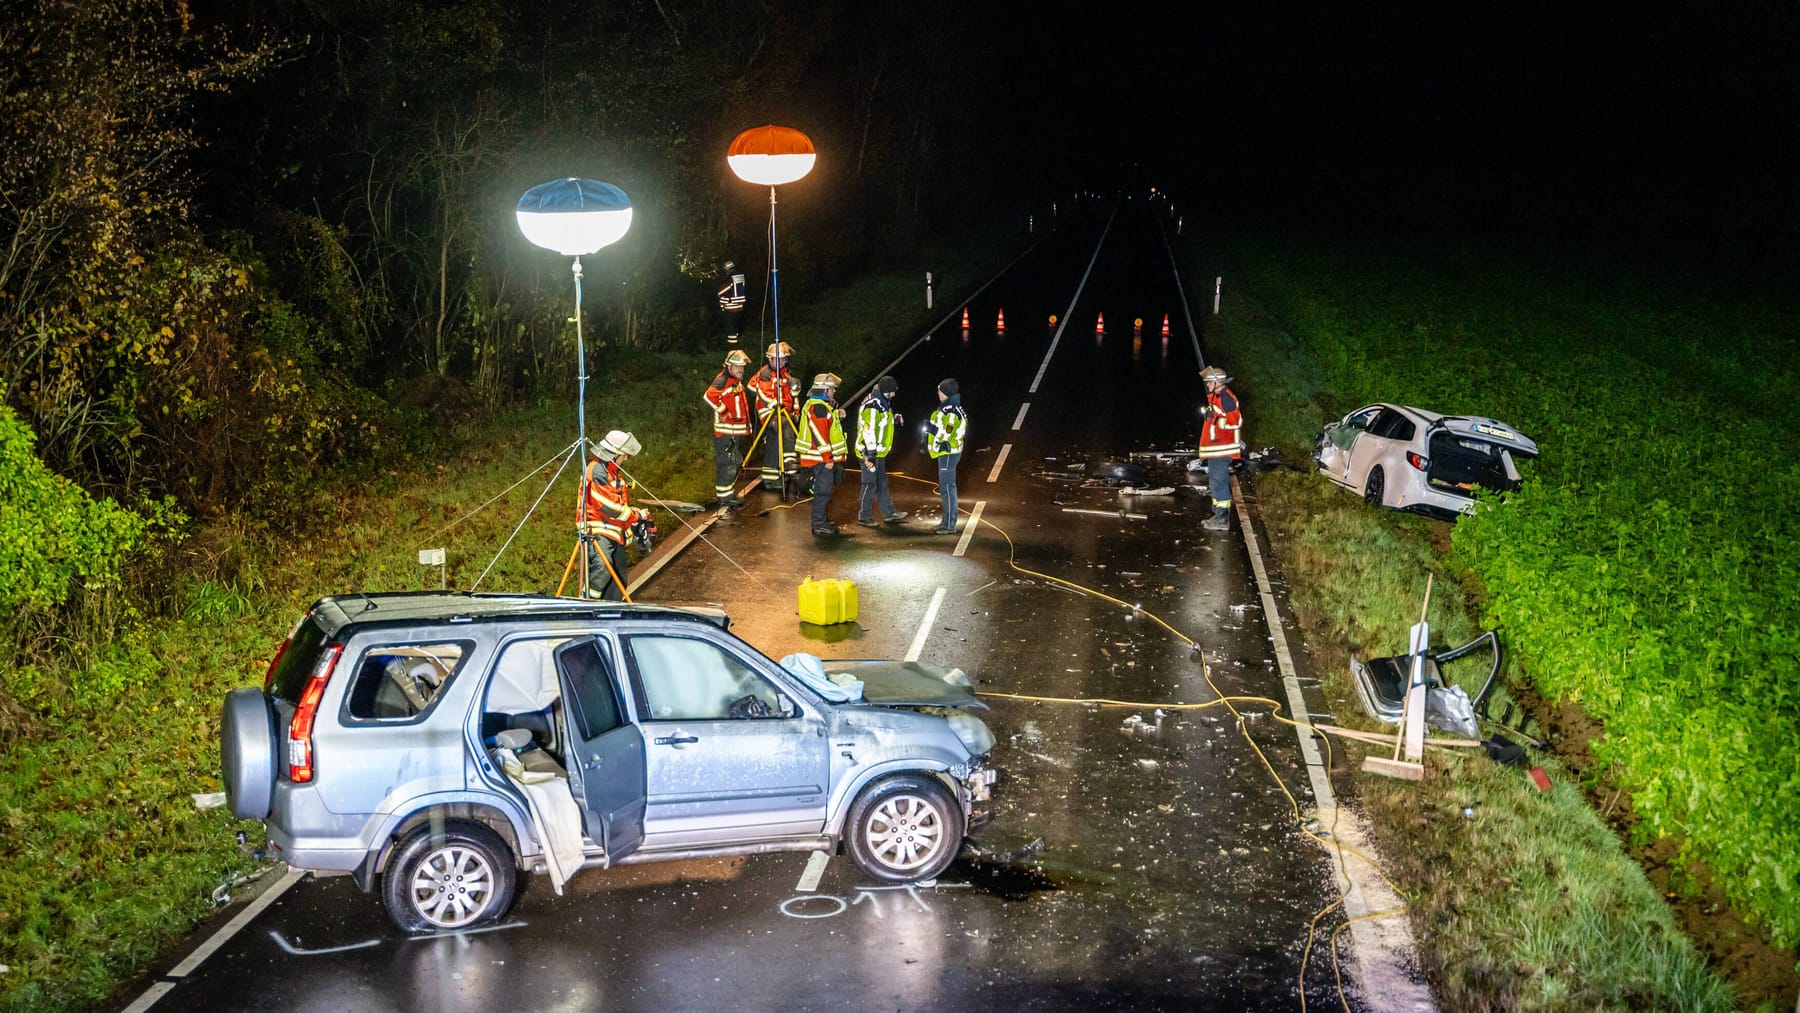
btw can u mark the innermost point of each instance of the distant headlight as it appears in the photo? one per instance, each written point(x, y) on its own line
point(973, 733)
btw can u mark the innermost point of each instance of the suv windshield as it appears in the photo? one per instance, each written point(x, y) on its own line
point(288, 678)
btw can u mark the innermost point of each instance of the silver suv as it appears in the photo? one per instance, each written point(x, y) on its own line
point(437, 743)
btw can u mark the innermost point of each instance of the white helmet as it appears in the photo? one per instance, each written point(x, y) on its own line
point(1211, 373)
point(615, 443)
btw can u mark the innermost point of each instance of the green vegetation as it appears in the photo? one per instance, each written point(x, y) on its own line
point(1640, 573)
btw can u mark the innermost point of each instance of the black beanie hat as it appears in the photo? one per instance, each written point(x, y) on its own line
point(949, 387)
point(887, 385)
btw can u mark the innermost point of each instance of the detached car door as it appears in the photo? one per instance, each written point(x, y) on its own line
point(732, 755)
point(605, 751)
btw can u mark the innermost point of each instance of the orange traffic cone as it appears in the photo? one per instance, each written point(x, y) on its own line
point(965, 318)
point(1165, 325)
point(1100, 324)
point(1000, 323)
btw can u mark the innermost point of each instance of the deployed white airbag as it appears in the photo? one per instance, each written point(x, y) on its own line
point(838, 687)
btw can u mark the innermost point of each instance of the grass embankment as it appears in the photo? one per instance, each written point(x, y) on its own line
point(107, 859)
point(1534, 902)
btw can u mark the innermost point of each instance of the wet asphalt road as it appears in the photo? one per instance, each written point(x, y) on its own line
point(1171, 873)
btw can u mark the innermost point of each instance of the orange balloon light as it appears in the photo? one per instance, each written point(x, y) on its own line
point(771, 155)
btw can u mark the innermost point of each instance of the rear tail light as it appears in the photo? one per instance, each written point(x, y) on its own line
point(300, 753)
point(1417, 461)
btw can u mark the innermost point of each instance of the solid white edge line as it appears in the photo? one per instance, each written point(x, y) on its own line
point(999, 462)
point(815, 868)
point(1181, 290)
point(219, 938)
point(1379, 946)
point(962, 544)
point(931, 611)
point(1021, 419)
point(1064, 322)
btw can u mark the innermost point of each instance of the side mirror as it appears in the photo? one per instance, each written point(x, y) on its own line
point(785, 707)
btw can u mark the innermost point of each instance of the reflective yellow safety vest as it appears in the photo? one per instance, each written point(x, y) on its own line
point(948, 425)
point(875, 427)
point(821, 434)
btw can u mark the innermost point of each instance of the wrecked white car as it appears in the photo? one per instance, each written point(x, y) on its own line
point(1410, 459)
point(435, 744)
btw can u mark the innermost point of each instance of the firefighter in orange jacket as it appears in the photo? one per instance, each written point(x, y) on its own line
point(607, 518)
point(777, 400)
point(1220, 444)
point(731, 424)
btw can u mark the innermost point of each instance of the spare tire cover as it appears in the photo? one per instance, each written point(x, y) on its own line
point(247, 752)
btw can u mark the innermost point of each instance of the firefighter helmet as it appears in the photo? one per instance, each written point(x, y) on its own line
point(780, 348)
point(1211, 373)
point(830, 380)
point(736, 357)
point(615, 443)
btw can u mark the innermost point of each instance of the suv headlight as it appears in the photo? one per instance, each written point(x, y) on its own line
point(973, 733)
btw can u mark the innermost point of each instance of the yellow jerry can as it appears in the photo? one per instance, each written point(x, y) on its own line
point(829, 601)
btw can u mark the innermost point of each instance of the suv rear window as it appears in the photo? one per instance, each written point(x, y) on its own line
point(288, 679)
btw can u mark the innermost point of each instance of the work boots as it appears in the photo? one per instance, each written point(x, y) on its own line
point(1219, 521)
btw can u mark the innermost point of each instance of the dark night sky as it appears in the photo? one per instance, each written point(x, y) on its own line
point(1581, 114)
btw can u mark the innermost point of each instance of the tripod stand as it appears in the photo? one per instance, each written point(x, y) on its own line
point(785, 424)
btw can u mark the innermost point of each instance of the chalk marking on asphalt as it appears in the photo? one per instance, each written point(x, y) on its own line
point(219, 938)
point(1017, 422)
point(815, 867)
point(459, 933)
point(841, 907)
point(962, 544)
point(918, 644)
point(1181, 290)
point(282, 942)
point(999, 462)
point(1064, 322)
point(1379, 946)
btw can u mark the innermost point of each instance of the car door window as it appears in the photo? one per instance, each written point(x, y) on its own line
point(589, 673)
point(398, 682)
point(1392, 425)
point(687, 679)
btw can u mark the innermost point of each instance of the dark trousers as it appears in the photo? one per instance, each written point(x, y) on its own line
point(875, 490)
point(600, 582)
point(1218, 484)
point(824, 480)
point(732, 323)
point(947, 487)
point(726, 457)
point(778, 447)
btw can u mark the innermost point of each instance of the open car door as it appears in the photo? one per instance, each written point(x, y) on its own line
point(606, 751)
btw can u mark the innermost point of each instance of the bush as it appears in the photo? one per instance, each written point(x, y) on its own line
point(52, 534)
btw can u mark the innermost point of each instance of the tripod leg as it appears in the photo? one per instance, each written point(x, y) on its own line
point(755, 440)
point(574, 553)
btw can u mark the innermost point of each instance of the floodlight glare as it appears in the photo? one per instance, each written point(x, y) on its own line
point(574, 216)
point(771, 155)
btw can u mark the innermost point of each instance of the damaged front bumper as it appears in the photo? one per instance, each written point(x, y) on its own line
point(977, 786)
